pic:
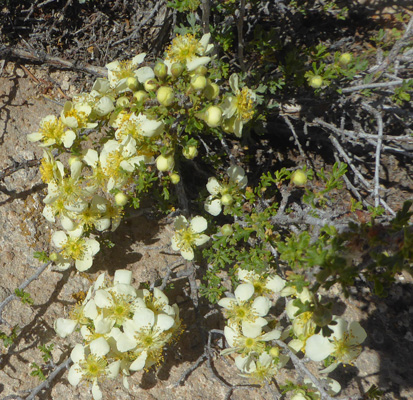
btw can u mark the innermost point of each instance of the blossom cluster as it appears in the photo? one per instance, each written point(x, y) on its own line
point(140, 116)
point(251, 330)
point(341, 341)
point(123, 330)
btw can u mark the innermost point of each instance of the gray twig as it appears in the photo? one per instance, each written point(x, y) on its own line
point(395, 49)
point(372, 86)
point(240, 29)
point(206, 12)
point(297, 142)
point(27, 282)
point(45, 384)
point(299, 365)
point(379, 119)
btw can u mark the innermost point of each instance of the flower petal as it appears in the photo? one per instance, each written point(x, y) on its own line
point(261, 305)
point(125, 343)
point(318, 348)
point(213, 207)
point(64, 327)
point(139, 363)
point(78, 353)
point(213, 186)
point(199, 224)
point(59, 238)
point(244, 291)
point(275, 283)
point(99, 347)
point(123, 276)
point(201, 239)
point(75, 375)
point(96, 392)
point(85, 264)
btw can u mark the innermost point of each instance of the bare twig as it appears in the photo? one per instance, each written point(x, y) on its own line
point(17, 166)
point(206, 12)
point(299, 365)
point(55, 61)
point(27, 282)
point(379, 119)
point(228, 151)
point(45, 384)
point(347, 159)
point(297, 142)
point(191, 369)
point(404, 40)
point(240, 29)
point(372, 86)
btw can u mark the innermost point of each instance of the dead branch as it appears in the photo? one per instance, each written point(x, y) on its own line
point(26, 283)
point(31, 56)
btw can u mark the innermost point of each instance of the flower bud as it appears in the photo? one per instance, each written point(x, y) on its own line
point(165, 163)
point(316, 81)
point(53, 256)
point(150, 85)
point(165, 96)
point(198, 82)
point(211, 91)
point(345, 59)
point(140, 96)
point(201, 70)
point(274, 352)
point(190, 152)
point(160, 70)
point(213, 116)
point(227, 230)
point(227, 199)
point(122, 102)
point(121, 199)
point(299, 177)
point(132, 83)
point(299, 396)
point(175, 178)
point(176, 69)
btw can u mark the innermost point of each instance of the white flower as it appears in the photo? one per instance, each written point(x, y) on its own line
point(190, 51)
point(118, 161)
point(261, 368)
point(118, 302)
point(91, 365)
point(75, 248)
point(76, 115)
point(136, 126)
point(261, 285)
point(120, 71)
point(188, 235)
point(242, 309)
point(332, 386)
point(52, 131)
point(145, 336)
point(238, 109)
point(249, 341)
point(343, 344)
point(223, 193)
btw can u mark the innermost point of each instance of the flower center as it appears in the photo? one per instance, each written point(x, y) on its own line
point(184, 48)
point(126, 69)
point(74, 248)
point(53, 130)
point(46, 171)
point(93, 367)
point(245, 104)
